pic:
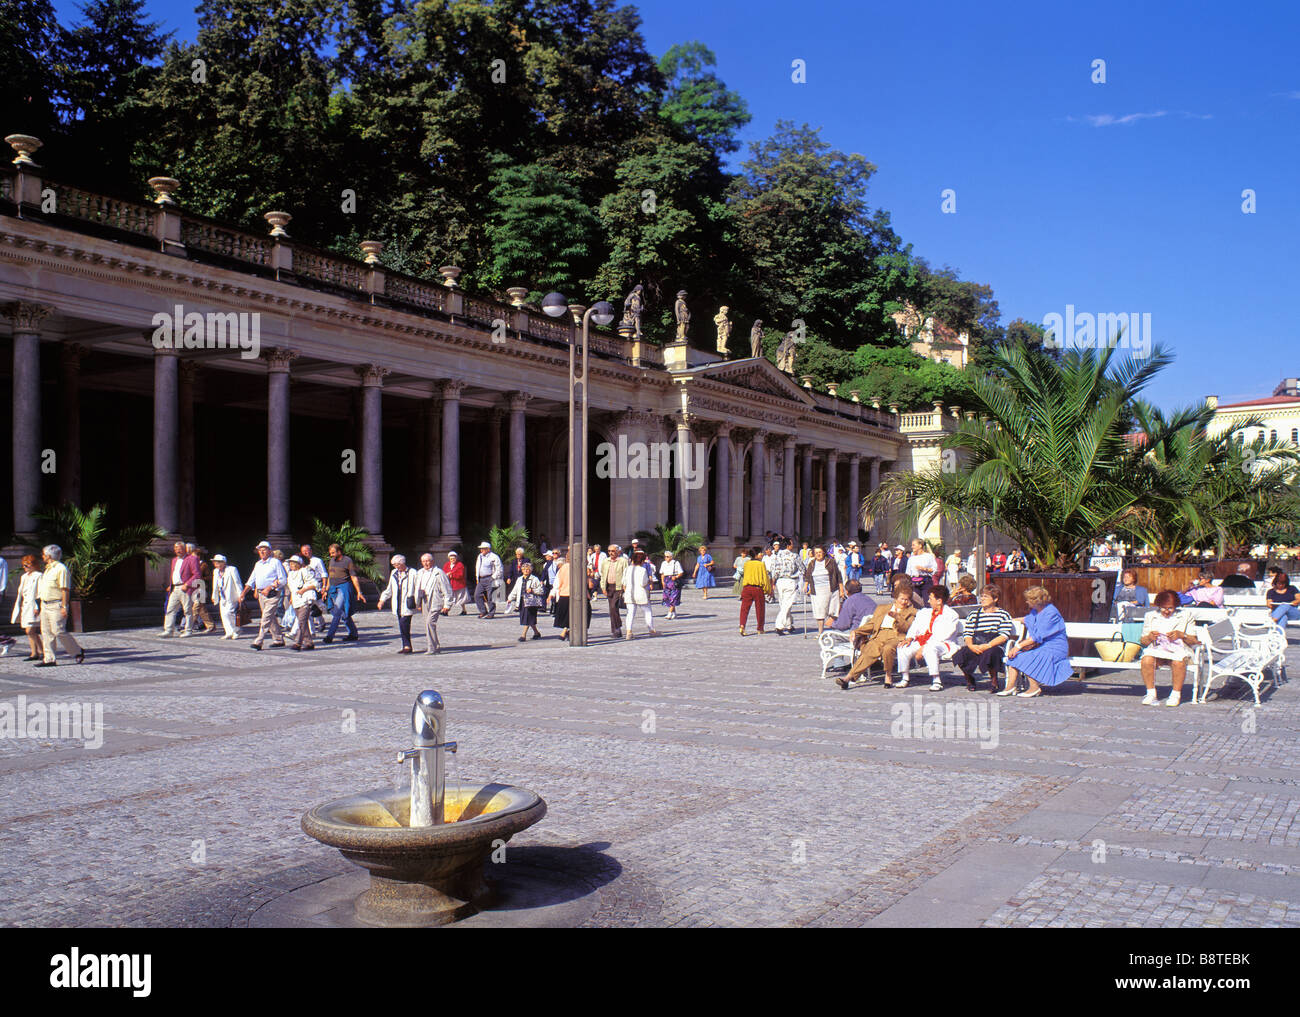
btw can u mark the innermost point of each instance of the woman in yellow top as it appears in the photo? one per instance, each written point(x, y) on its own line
point(755, 585)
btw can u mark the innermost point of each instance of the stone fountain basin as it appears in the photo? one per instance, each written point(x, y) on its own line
point(425, 875)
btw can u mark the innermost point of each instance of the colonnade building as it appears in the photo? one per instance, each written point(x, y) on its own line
point(299, 384)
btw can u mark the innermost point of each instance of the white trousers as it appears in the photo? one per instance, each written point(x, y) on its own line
point(929, 653)
point(227, 612)
point(787, 591)
point(178, 600)
point(54, 628)
point(631, 615)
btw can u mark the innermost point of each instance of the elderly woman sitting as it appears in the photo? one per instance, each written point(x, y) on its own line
point(1043, 657)
point(1129, 596)
point(1166, 639)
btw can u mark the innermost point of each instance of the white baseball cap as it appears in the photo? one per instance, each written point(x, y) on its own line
point(218, 557)
point(486, 545)
point(264, 544)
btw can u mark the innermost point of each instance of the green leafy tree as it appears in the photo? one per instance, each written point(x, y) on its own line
point(110, 60)
point(675, 538)
point(697, 103)
point(90, 548)
point(540, 231)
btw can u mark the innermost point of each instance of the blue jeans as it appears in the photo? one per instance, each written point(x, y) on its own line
point(339, 604)
point(1284, 613)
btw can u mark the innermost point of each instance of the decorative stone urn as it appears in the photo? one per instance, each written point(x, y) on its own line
point(517, 295)
point(278, 221)
point(854, 393)
point(163, 188)
point(24, 145)
point(807, 381)
point(832, 387)
point(371, 249)
point(449, 273)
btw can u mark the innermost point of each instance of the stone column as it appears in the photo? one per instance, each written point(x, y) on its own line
point(722, 484)
point(26, 318)
point(432, 470)
point(372, 455)
point(758, 492)
point(450, 535)
point(494, 467)
point(833, 521)
point(807, 525)
point(277, 448)
point(683, 438)
point(166, 474)
point(788, 489)
point(69, 462)
point(855, 497)
point(187, 374)
point(518, 457)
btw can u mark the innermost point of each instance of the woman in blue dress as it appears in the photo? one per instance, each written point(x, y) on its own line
point(703, 574)
point(1043, 657)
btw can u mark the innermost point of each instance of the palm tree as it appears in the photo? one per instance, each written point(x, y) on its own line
point(504, 540)
point(1209, 489)
point(1053, 464)
point(675, 538)
point(352, 542)
point(90, 548)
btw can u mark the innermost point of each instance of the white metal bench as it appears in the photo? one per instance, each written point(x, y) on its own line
point(1105, 631)
point(836, 647)
point(1249, 661)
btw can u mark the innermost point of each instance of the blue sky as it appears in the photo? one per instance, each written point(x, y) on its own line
point(1117, 197)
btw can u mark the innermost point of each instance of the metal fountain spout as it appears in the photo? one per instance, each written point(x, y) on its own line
point(428, 776)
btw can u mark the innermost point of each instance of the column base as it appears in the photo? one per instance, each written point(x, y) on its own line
point(285, 542)
point(440, 544)
point(383, 550)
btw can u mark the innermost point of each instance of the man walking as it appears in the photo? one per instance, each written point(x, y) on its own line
point(268, 579)
point(53, 589)
point(312, 564)
point(341, 583)
point(190, 625)
point(433, 594)
point(225, 594)
point(611, 581)
point(786, 570)
point(488, 576)
point(183, 577)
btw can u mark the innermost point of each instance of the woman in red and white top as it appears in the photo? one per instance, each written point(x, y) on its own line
point(929, 638)
point(455, 570)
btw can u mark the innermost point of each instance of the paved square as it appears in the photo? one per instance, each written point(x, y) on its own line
point(694, 779)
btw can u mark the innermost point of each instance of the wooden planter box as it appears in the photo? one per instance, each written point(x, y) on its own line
point(1165, 577)
point(1079, 596)
point(88, 615)
point(1228, 567)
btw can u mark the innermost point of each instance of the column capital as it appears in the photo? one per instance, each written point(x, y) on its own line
point(372, 375)
point(789, 442)
point(72, 354)
point(706, 428)
point(855, 458)
point(517, 400)
point(278, 359)
point(640, 418)
point(189, 369)
point(26, 315)
point(807, 449)
point(451, 388)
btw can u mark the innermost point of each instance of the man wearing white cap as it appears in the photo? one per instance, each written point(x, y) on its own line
point(488, 577)
point(225, 594)
point(268, 579)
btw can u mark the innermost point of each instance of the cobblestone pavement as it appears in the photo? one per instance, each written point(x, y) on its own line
point(693, 779)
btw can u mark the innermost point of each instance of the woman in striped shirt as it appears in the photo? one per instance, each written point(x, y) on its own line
point(988, 630)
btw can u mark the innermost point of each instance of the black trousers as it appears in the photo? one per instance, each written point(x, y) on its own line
point(404, 628)
point(970, 662)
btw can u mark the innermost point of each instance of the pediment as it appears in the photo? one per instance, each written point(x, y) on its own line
point(757, 374)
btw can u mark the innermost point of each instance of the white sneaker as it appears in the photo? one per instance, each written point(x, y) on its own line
point(1174, 699)
point(936, 685)
point(1149, 699)
point(901, 683)
point(186, 634)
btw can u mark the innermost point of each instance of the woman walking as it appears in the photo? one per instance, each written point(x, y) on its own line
point(823, 579)
point(27, 609)
point(756, 584)
point(401, 591)
point(527, 595)
point(703, 574)
point(638, 593)
point(670, 575)
point(455, 570)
